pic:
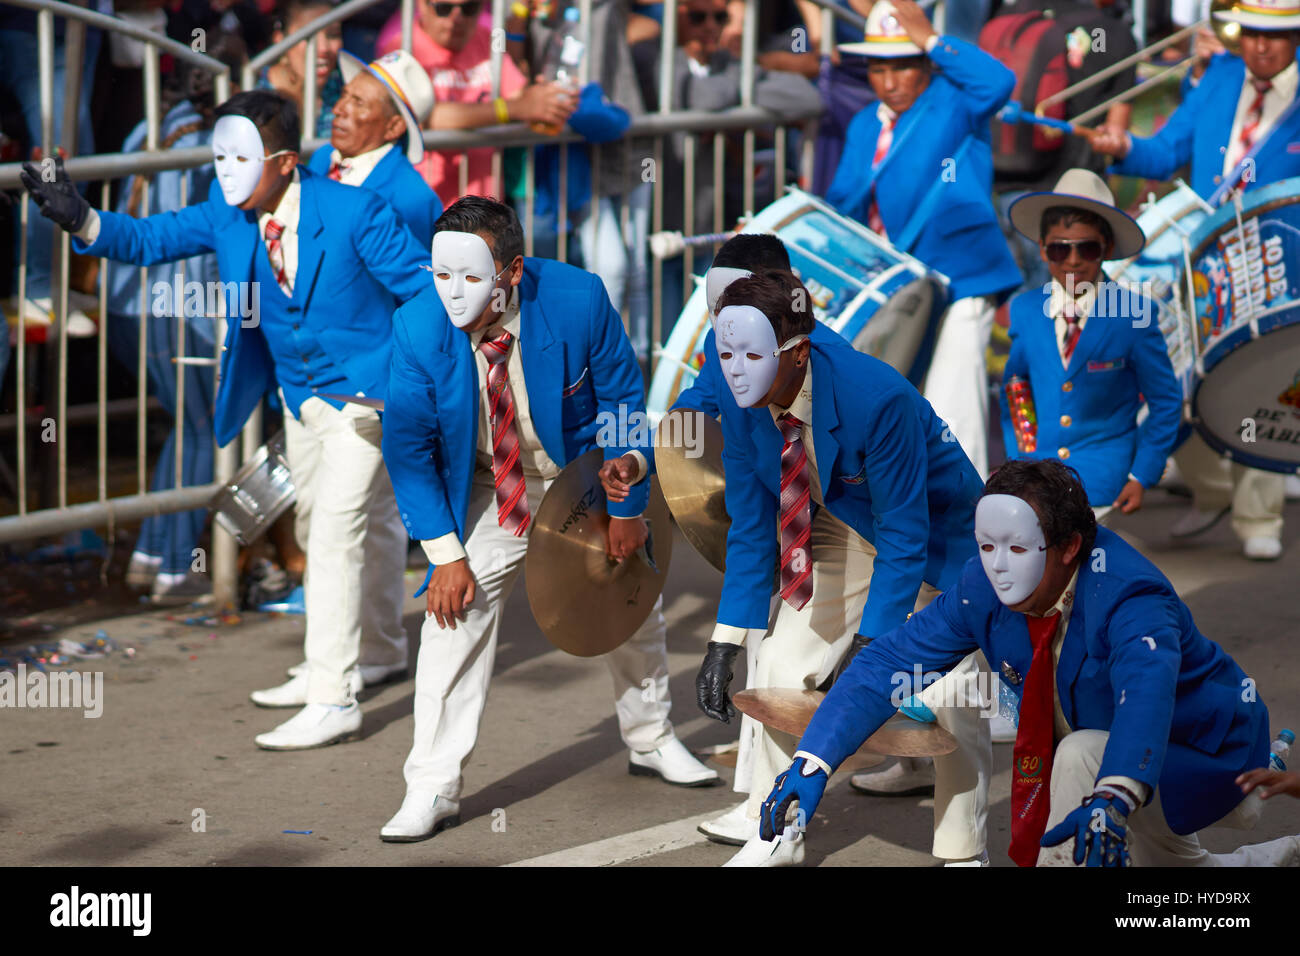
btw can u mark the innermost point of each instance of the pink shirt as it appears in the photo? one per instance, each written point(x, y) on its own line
point(463, 77)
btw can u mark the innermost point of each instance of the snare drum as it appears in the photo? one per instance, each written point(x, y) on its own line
point(1246, 321)
point(884, 302)
point(260, 492)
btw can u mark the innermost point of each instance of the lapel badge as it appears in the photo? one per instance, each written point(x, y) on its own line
point(1009, 674)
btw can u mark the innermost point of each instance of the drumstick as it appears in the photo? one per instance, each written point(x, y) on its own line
point(665, 245)
point(1013, 112)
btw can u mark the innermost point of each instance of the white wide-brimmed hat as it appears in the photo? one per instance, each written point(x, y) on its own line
point(1079, 189)
point(884, 35)
point(1263, 14)
point(407, 83)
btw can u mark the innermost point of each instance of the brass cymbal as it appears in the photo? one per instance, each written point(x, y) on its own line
point(583, 602)
point(376, 403)
point(789, 709)
point(688, 460)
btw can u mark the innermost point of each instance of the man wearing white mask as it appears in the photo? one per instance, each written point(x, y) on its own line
point(1133, 726)
point(499, 374)
point(839, 479)
point(313, 272)
point(375, 138)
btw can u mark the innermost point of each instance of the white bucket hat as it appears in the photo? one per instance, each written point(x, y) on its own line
point(885, 36)
point(1079, 189)
point(1263, 14)
point(407, 84)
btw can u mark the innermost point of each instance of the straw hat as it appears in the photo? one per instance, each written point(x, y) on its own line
point(1263, 14)
point(885, 36)
point(407, 83)
point(1079, 189)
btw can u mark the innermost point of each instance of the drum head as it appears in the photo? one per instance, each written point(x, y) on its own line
point(896, 332)
point(1248, 406)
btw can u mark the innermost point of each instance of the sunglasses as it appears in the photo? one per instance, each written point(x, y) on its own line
point(1089, 249)
point(698, 18)
point(469, 8)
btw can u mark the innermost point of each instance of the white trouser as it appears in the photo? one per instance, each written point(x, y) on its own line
point(803, 648)
point(1256, 497)
point(346, 520)
point(957, 383)
point(454, 666)
point(1075, 767)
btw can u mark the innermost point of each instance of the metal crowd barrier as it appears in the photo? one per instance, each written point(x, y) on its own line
point(55, 514)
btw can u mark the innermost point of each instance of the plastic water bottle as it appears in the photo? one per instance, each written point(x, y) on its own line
point(563, 59)
point(1280, 749)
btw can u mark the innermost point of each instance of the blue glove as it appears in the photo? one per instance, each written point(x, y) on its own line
point(1099, 827)
point(804, 782)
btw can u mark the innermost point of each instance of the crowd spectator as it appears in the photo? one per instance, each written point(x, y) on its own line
point(287, 75)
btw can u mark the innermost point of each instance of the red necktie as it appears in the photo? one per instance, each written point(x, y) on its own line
point(337, 170)
point(1253, 115)
point(796, 516)
point(274, 252)
point(1072, 331)
point(883, 142)
point(507, 471)
point(1031, 761)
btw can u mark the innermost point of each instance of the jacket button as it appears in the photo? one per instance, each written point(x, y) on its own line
point(1067, 387)
point(1066, 421)
point(295, 326)
point(1063, 453)
point(1218, 179)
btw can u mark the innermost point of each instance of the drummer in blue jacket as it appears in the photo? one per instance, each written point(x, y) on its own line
point(1133, 725)
point(375, 136)
point(1237, 128)
point(1091, 350)
point(311, 273)
point(917, 168)
point(840, 481)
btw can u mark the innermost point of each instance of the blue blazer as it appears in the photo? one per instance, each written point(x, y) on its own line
point(1182, 716)
point(579, 369)
point(885, 471)
point(1199, 129)
point(960, 235)
point(396, 180)
point(1115, 366)
point(348, 278)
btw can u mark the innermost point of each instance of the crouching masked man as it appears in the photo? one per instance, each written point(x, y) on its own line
point(838, 476)
point(1133, 725)
point(501, 371)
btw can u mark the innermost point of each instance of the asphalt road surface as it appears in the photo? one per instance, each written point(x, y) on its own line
point(169, 775)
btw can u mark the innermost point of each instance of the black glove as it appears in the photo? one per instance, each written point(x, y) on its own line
point(713, 679)
point(59, 200)
point(859, 642)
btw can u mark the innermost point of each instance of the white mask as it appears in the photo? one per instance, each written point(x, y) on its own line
point(1012, 547)
point(716, 281)
point(237, 155)
point(748, 352)
point(464, 273)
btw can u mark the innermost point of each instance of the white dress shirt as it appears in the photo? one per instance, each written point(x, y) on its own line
point(358, 168)
point(1276, 100)
point(286, 213)
point(1083, 305)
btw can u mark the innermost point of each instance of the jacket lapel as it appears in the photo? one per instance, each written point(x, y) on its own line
point(543, 362)
point(825, 420)
point(1073, 648)
point(310, 239)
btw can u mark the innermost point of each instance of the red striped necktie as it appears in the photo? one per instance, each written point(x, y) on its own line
point(1253, 116)
point(1068, 312)
point(1031, 760)
point(796, 516)
point(275, 252)
point(883, 142)
point(507, 470)
point(337, 170)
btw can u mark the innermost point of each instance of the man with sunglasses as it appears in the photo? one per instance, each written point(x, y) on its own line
point(1237, 129)
point(1091, 351)
point(1134, 726)
point(454, 47)
point(917, 169)
point(501, 374)
point(313, 271)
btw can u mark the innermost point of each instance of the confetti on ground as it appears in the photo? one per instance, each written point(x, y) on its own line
point(298, 832)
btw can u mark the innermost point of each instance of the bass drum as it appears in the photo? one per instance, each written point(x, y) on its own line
point(886, 303)
point(1246, 325)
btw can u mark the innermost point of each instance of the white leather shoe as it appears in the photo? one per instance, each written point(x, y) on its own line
point(674, 764)
point(1196, 522)
point(141, 570)
point(371, 674)
point(909, 777)
point(1281, 852)
point(733, 828)
point(1262, 548)
point(316, 725)
point(292, 693)
point(422, 815)
point(759, 852)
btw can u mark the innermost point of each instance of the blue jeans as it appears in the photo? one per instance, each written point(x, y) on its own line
point(20, 75)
